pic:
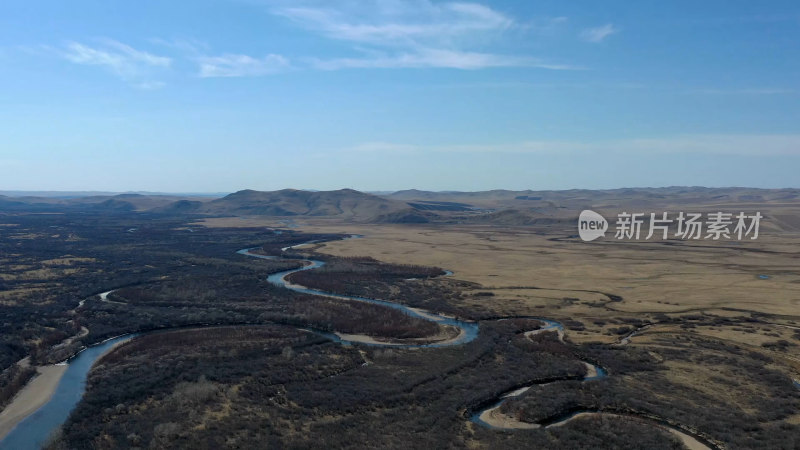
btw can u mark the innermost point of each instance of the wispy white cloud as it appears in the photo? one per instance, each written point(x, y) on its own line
point(413, 34)
point(131, 65)
point(385, 34)
point(598, 34)
point(436, 58)
point(515, 147)
point(548, 25)
point(379, 34)
point(398, 23)
point(183, 45)
point(230, 65)
point(722, 144)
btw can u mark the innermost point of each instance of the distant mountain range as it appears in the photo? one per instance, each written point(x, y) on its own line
point(503, 207)
point(119, 202)
point(79, 194)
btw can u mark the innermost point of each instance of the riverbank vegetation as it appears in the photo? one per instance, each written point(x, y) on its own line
point(54, 265)
point(279, 387)
point(225, 298)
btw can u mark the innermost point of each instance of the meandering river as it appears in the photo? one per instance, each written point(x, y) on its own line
point(468, 331)
point(36, 428)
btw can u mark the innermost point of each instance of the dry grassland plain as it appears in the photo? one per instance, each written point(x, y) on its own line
point(541, 271)
point(531, 267)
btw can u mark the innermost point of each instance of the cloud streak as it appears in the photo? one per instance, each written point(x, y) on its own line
point(598, 34)
point(436, 58)
point(131, 65)
point(380, 34)
point(234, 65)
point(411, 23)
point(412, 34)
point(721, 144)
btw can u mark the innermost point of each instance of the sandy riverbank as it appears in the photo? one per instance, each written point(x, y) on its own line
point(444, 337)
point(36, 393)
point(493, 417)
point(591, 370)
point(33, 396)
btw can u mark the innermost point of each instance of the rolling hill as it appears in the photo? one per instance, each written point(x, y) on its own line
point(344, 204)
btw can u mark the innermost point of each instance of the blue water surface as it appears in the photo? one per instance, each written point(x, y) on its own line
point(32, 432)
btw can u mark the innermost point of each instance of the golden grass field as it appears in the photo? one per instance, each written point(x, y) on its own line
point(531, 273)
point(650, 276)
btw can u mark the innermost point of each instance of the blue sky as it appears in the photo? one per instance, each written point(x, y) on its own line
point(221, 95)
